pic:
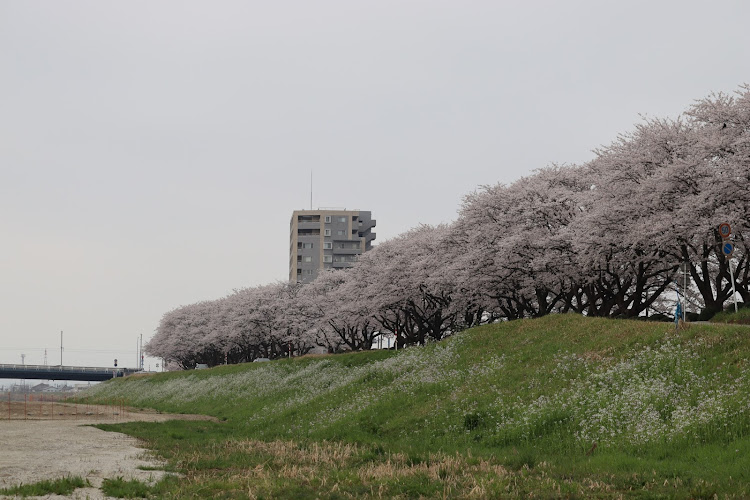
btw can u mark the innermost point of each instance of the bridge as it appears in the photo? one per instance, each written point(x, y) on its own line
point(45, 372)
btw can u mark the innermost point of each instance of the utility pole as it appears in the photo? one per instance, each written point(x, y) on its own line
point(684, 293)
point(23, 362)
point(141, 351)
point(61, 347)
point(731, 274)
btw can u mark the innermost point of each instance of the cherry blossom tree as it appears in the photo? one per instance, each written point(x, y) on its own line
point(404, 283)
point(184, 336)
point(266, 316)
point(517, 253)
point(335, 307)
point(621, 235)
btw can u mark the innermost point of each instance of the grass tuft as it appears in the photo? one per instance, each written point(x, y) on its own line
point(120, 488)
point(63, 486)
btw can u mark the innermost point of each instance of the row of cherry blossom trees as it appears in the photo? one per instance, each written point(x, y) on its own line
point(611, 237)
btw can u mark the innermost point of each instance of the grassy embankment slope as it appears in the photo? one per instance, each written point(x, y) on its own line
point(741, 317)
point(559, 406)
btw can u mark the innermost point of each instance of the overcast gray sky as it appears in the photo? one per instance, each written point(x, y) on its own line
point(152, 152)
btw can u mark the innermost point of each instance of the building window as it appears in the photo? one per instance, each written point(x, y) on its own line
point(328, 232)
point(340, 232)
point(299, 271)
point(307, 258)
point(342, 219)
point(326, 258)
point(327, 245)
point(328, 219)
point(307, 271)
point(304, 245)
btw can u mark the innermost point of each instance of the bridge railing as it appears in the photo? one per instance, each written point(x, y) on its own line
point(59, 368)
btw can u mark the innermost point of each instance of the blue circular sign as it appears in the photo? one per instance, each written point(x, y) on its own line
point(727, 248)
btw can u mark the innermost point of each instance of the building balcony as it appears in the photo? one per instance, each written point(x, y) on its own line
point(347, 251)
point(369, 236)
point(365, 225)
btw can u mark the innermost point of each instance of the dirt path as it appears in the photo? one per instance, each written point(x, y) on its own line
point(34, 450)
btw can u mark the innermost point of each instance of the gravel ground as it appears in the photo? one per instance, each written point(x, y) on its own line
point(34, 450)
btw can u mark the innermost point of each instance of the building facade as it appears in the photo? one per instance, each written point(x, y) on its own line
point(327, 239)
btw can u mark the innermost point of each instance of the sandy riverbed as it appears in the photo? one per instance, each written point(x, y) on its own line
point(34, 450)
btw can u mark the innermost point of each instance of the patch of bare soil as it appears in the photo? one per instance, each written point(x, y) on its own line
point(62, 444)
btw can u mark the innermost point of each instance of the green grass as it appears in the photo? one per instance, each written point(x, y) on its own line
point(741, 317)
point(120, 488)
point(64, 486)
point(560, 406)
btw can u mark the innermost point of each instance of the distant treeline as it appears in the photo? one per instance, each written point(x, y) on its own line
point(607, 238)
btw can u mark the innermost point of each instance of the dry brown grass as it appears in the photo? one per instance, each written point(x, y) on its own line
point(37, 409)
point(460, 476)
point(325, 453)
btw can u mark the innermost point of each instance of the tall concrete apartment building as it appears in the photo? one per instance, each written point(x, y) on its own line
point(327, 239)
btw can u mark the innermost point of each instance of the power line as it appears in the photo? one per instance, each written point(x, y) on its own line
point(42, 349)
